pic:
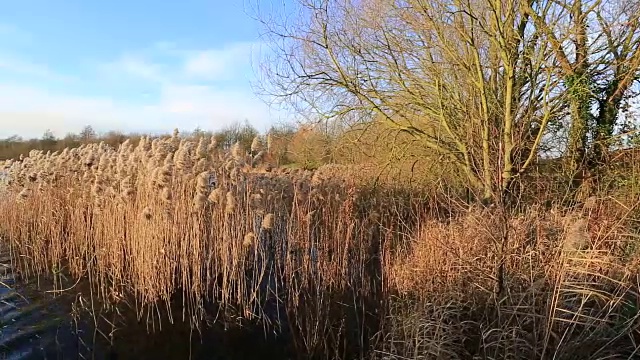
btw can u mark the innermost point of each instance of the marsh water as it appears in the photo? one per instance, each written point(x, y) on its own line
point(36, 324)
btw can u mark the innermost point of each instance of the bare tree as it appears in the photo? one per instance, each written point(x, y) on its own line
point(87, 134)
point(596, 46)
point(470, 80)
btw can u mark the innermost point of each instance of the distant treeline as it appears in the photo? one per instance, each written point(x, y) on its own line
point(305, 146)
point(15, 146)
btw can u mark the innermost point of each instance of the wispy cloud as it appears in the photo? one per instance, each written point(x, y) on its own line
point(218, 64)
point(131, 65)
point(205, 88)
point(19, 66)
point(165, 62)
point(29, 111)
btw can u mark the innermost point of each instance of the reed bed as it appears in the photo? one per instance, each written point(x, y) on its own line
point(348, 270)
point(145, 222)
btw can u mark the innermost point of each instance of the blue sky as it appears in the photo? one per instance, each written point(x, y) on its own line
point(136, 65)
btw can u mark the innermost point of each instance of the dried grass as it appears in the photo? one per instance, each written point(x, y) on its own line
point(346, 263)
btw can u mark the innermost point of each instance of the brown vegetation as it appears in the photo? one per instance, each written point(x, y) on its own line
point(389, 270)
point(472, 208)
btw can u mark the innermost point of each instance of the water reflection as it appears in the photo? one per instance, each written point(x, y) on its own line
point(35, 325)
point(38, 325)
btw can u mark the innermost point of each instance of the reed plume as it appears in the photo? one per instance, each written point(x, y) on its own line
point(330, 258)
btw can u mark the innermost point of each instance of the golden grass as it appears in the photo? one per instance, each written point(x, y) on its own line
point(143, 221)
point(346, 263)
point(571, 292)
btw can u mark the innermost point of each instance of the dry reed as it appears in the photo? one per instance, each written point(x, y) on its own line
point(328, 251)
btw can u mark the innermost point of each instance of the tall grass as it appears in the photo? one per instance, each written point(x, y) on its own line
point(571, 293)
point(349, 270)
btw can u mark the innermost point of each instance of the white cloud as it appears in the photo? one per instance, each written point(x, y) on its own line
point(184, 93)
point(165, 62)
point(29, 111)
point(140, 68)
point(218, 64)
point(19, 66)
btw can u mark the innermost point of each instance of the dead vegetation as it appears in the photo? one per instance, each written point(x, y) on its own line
point(350, 269)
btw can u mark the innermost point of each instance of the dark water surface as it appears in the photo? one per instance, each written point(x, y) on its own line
point(35, 324)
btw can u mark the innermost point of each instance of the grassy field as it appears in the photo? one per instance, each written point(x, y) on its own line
point(350, 270)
